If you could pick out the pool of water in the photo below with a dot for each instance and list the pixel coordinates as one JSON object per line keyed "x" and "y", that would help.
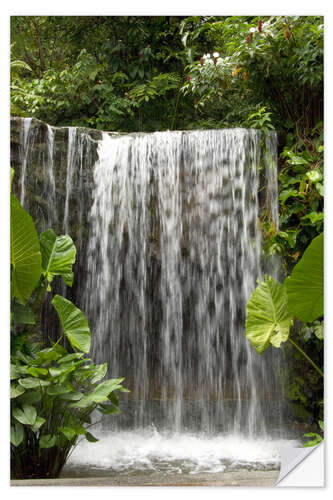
{"x": 150, "y": 452}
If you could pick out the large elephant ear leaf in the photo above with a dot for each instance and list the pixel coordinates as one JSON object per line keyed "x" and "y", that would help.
{"x": 74, "y": 323}
{"x": 25, "y": 256}
{"x": 267, "y": 321}
{"x": 58, "y": 256}
{"x": 305, "y": 286}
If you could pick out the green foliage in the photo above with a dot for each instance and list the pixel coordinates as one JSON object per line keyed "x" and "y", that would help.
{"x": 81, "y": 79}
{"x": 317, "y": 438}
{"x": 53, "y": 392}
{"x": 25, "y": 257}
{"x": 274, "y": 62}
{"x": 155, "y": 88}
{"x": 74, "y": 323}
{"x": 272, "y": 305}
{"x": 267, "y": 321}
{"x": 305, "y": 286}
{"x": 260, "y": 120}
{"x": 58, "y": 256}
{"x": 301, "y": 197}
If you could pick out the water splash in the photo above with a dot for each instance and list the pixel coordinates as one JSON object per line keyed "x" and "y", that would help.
{"x": 151, "y": 452}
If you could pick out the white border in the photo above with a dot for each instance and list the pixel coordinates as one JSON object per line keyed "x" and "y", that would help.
{"x": 135, "y": 7}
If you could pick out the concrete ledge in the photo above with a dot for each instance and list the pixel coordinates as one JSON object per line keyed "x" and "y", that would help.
{"x": 239, "y": 478}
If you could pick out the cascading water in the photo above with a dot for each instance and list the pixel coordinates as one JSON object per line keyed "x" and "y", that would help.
{"x": 174, "y": 254}
{"x": 169, "y": 249}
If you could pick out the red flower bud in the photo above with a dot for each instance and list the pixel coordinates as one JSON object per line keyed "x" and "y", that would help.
{"x": 140, "y": 55}
{"x": 188, "y": 78}
{"x": 196, "y": 102}
{"x": 201, "y": 61}
{"x": 260, "y": 25}
{"x": 214, "y": 61}
{"x": 249, "y": 38}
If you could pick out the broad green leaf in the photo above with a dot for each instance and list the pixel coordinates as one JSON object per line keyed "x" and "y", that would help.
{"x": 68, "y": 432}
{"x": 70, "y": 357}
{"x": 31, "y": 383}
{"x": 22, "y": 314}
{"x": 58, "y": 372}
{"x": 321, "y": 424}
{"x": 30, "y": 397}
{"x": 90, "y": 437}
{"x": 113, "y": 398}
{"x": 47, "y": 441}
{"x": 296, "y": 160}
{"x": 319, "y": 331}
{"x": 36, "y": 372}
{"x": 16, "y": 434}
{"x": 103, "y": 390}
{"x": 26, "y": 415}
{"x": 16, "y": 390}
{"x": 38, "y": 424}
{"x": 57, "y": 390}
{"x": 83, "y": 402}
{"x": 123, "y": 389}
{"x": 71, "y": 396}
{"x": 108, "y": 409}
{"x": 267, "y": 319}
{"x": 100, "y": 372}
{"x": 73, "y": 322}
{"x": 46, "y": 355}
{"x": 58, "y": 256}
{"x": 317, "y": 439}
{"x": 305, "y": 286}
{"x": 314, "y": 175}
{"x": 314, "y": 217}
{"x": 25, "y": 257}
{"x": 14, "y": 372}
{"x": 287, "y": 193}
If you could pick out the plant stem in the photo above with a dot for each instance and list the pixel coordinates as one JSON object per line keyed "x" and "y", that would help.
{"x": 307, "y": 357}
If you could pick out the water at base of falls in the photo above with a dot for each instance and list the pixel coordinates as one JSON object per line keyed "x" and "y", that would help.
{"x": 150, "y": 452}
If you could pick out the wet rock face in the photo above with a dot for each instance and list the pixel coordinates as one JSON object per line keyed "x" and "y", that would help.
{"x": 54, "y": 181}
{"x": 43, "y": 157}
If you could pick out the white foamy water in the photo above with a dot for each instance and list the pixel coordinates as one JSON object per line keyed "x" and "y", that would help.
{"x": 177, "y": 453}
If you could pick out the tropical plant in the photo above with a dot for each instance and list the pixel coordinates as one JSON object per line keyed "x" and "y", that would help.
{"x": 53, "y": 394}
{"x": 317, "y": 438}
{"x": 273, "y": 308}
{"x": 53, "y": 391}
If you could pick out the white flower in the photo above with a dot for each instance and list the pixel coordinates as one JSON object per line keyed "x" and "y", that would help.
{"x": 208, "y": 56}
{"x": 216, "y": 54}
{"x": 252, "y": 30}
{"x": 219, "y": 60}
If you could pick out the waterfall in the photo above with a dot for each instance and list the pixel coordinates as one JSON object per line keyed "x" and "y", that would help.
{"x": 169, "y": 250}
{"x": 173, "y": 256}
